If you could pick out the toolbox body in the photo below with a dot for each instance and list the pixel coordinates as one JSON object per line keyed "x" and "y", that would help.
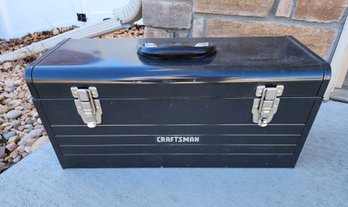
{"x": 249, "y": 103}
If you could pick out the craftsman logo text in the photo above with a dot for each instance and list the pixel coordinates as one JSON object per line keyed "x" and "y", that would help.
{"x": 177, "y": 139}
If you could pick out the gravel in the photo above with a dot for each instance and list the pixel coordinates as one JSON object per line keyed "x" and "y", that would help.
{"x": 16, "y": 43}
{"x": 21, "y": 130}
{"x": 8, "y": 135}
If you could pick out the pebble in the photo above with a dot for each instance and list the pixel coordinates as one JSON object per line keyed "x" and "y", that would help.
{"x": 28, "y": 126}
{"x": 2, "y": 165}
{"x": 17, "y": 82}
{"x": 15, "y": 103}
{"x": 31, "y": 142}
{"x": 9, "y": 83}
{"x": 55, "y": 31}
{"x": 2, "y": 151}
{"x": 17, "y": 67}
{"x": 12, "y": 146}
{"x": 3, "y": 109}
{"x": 13, "y": 139}
{"x": 41, "y": 141}
{"x": 14, "y": 154}
{"x": 29, "y": 121}
{"x": 9, "y": 95}
{"x": 27, "y": 149}
{"x": 17, "y": 159}
{"x": 7, "y": 65}
{"x": 19, "y": 108}
{"x": 24, "y": 140}
{"x": 28, "y": 106}
{"x": 36, "y": 133}
{"x": 7, "y": 159}
{"x": 13, "y": 114}
{"x": 8, "y": 135}
{"x": 21, "y": 148}
{"x": 16, "y": 124}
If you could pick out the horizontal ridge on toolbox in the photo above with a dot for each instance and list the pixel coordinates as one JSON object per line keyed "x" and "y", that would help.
{"x": 165, "y": 111}
{"x": 175, "y": 149}
{"x": 148, "y": 130}
{"x": 184, "y": 154}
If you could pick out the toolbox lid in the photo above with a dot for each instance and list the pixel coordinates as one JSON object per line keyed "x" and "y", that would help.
{"x": 254, "y": 60}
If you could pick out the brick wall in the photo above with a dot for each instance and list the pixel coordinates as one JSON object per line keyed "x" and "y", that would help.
{"x": 316, "y": 23}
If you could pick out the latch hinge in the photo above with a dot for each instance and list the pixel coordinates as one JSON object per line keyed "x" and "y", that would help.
{"x": 87, "y": 105}
{"x": 266, "y": 106}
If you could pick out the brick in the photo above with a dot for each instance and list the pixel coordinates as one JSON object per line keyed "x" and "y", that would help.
{"x": 198, "y": 28}
{"x": 320, "y": 10}
{"x": 257, "y": 8}
{"x": 165, "y": 14}
{"x": 151, "y": 32}
{"x": 284, "y": 8}
{"x": 320, "y": 40}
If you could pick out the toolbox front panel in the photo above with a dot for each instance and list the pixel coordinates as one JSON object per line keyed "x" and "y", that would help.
{"x": 131, "y": 131}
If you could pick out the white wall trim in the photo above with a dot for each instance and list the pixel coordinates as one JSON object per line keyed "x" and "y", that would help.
{"x": 339, "y": 63}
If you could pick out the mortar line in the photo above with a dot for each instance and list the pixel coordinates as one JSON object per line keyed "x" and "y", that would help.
{"x": 190, "y": 33}
{"x": 338, "y": 35}
{"x": 293, "y": 7}
{"x": 274, "y": 8}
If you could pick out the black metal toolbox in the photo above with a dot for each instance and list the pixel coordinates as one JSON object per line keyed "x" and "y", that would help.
{"x": 198, "y": 102}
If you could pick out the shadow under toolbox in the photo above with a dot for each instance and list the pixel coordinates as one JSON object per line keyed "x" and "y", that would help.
{"x": 195, "y": 102}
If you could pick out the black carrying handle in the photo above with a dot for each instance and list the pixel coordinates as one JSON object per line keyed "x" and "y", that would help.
{"x": 200, "y": 50}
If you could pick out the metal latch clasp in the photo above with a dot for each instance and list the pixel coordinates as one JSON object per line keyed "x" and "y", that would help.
{"x": 266, "y": 106}
{"x": 87, "y": 105}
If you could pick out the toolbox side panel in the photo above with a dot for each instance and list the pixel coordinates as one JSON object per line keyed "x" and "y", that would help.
{"x": 306, "y": 130}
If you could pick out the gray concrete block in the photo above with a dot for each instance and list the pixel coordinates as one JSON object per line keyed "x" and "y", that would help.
{"x": 165, "y": 14}
{"x": 340, "y": 94}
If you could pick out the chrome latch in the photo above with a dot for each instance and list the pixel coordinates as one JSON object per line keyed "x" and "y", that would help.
{"x": 266, "y": 106}
{"x": 87, "y": 105}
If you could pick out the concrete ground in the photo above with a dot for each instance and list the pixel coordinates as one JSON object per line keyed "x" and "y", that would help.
{"x": 319, "y": 179}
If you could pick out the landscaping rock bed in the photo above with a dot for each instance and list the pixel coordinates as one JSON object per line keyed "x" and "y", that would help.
{"x": 21, "y": 130}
